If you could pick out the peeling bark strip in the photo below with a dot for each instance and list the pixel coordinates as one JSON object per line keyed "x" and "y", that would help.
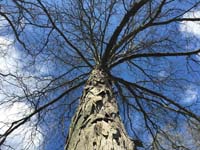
{"x": 96, "y": 124}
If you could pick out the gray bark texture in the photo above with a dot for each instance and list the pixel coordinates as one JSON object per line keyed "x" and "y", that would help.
{"x": 97, "y": 124}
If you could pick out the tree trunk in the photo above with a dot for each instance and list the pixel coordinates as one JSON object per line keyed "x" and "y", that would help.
{"x": 96, "y": 124}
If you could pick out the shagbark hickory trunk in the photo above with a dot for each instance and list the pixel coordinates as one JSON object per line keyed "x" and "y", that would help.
{"x": 97, "y": 124}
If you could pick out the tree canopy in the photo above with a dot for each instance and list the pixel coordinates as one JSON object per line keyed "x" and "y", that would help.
{"x": 149, "y": 48}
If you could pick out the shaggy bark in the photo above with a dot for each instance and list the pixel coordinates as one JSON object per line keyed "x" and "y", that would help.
{"x": 96, "y": 124}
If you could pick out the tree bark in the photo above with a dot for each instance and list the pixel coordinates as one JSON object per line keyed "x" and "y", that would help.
{"x": 97, "y": 124}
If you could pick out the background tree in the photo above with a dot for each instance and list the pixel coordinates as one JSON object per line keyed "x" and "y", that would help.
{"x": 151, "y": 58}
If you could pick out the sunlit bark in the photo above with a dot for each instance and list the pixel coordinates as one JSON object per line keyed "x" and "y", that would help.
{"x": 97, "y": 124}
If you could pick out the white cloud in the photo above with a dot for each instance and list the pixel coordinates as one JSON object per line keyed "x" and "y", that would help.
{"x": 190, "y": 95}
{"x": 27, "y": 136}
{"x": 8, "y": 56}
{"x": 163, "y": 74}
{"x": 191, "y": 27}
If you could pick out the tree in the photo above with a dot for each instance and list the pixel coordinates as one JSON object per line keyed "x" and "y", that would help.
{"x": 134, "y": 58}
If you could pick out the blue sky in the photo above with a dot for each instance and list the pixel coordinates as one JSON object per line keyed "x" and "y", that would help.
{"x": 14, "y": 61}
